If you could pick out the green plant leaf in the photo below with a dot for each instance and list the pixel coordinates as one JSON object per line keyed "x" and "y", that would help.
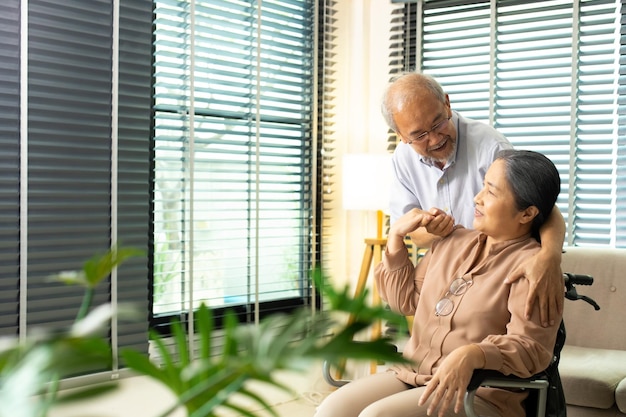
{"x": 70, "y": 278}
{"x": 180, "y": 338}
{"x": 23, "y": 380}
{"x": 206, "y": 408}
{"x": 100, "y": 266}
{"x": 203, "y": 384}
{"x": 170, "y": 369}
{"x": 205, "y": 328}
{"x": 230, "y": 340}
{"x": 74, "y": 355}
{"x": 142, "y": 364}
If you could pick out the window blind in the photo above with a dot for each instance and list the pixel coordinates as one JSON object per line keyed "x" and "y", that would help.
{"x": 595, "y": 128}
{"x": 134, "y": 166}
{"x": 403, "y": 45}
{"x": 84, "y": 173}
{"x": 456, "y": 50}
{"x": 233, "y": 177}
{"x": 69, "y": 152}
{"x": 403, "y": 49}
{"x": 544, "y": 74}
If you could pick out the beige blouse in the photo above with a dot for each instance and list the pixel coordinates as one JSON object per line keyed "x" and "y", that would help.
{"x": 489, "y": 314}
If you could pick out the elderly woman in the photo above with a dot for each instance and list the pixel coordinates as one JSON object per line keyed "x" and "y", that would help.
{"x": 465, "y": 317}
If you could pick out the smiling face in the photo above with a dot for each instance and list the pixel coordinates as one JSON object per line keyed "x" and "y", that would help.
{"x": 416, "y": 117}
{"x": 496, "y": 213}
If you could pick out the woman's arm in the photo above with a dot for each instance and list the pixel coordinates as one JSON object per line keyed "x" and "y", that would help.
{"x": 397, "y": 279}
{"x": 399, "y": 282}
{"x": 527, "y": 347}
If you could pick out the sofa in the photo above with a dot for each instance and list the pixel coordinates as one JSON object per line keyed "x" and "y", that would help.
{"x": 593, "y": 360}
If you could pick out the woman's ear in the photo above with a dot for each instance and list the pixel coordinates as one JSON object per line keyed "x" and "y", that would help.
{"x": 529, "y": 214}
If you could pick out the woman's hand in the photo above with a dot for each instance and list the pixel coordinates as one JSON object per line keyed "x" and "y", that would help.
{"x": 449, "y": 384}
{"x": 434, "y": 221}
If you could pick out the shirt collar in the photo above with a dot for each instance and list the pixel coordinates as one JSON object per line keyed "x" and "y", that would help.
{"x": 499, "y": 246}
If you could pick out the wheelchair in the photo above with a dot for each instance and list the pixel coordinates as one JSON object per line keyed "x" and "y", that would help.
{"x": 546, "y": 397}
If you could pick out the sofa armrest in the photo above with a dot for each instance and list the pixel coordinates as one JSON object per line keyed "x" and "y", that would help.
{"x": 620, "y": 395}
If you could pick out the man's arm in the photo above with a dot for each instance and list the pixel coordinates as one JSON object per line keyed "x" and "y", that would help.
{"x": 543, "y": 271}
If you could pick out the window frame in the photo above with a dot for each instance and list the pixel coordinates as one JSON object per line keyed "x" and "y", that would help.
{"x": 252, "y": 310}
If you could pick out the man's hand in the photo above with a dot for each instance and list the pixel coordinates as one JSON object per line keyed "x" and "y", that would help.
{"x": 410, "y": 221}
{"x": 449, "y": 383}
{"x": 437, "y": 224}
{"x": 441, "y": 224}
{"x": 543, "y": 272}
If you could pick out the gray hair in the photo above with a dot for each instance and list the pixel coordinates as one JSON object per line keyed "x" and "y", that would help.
{"x": 534, "y": 180}
{"x": 406, "y": 88}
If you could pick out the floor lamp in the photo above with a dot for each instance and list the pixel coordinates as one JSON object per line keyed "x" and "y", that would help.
{"x": 366, "y": 179}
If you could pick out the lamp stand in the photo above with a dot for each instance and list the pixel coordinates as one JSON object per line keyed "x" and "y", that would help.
{"x": 373, "y": 252}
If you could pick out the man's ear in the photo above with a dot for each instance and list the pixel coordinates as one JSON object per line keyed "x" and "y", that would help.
{"x": 402, "y": 139}
{"x": 529, "y": 214}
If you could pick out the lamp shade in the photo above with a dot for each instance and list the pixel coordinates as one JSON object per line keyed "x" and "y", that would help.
{"x": 366, "y": 181}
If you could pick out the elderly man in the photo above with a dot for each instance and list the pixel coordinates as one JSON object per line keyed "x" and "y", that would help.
{"x": 440, "y": 165}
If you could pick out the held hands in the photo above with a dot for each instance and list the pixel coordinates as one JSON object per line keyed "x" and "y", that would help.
{"x": 442, "y": 223}
{"x": 449, "y": 383}
{"x": 436, "y": 221}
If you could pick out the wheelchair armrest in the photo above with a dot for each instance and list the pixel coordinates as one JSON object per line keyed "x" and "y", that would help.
{"x": 389, "y": 348}
{"x": 481, "y": 376}
{"x": 328, "y": 377}
{"x": 495, "y": 379}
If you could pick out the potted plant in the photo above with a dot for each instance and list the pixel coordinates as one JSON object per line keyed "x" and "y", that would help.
{"x": 30, "y": 371}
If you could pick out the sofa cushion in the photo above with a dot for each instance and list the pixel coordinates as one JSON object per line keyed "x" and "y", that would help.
{"x": 590, "y": 376}
{"x": 603, "y": 329}
{"x": 620, "y": 396}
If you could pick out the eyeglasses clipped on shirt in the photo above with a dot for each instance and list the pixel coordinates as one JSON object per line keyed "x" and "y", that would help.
{"x": 457, "y": 287}
{"x": 435, "y": 129}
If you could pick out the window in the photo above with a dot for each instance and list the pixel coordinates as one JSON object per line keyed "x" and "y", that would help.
{"x": 234, "y": 161}
{"x": 544, "y": 73}
{"x": 75, "y": 160}
{"x": 79, "y": 156}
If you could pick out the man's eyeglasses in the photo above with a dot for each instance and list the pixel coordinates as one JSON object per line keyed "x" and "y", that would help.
{"x": 457, "y": 287}
{"x": 435, "y": 129}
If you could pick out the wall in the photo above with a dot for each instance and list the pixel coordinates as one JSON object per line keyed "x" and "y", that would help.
{"x": 362, "y": 74}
